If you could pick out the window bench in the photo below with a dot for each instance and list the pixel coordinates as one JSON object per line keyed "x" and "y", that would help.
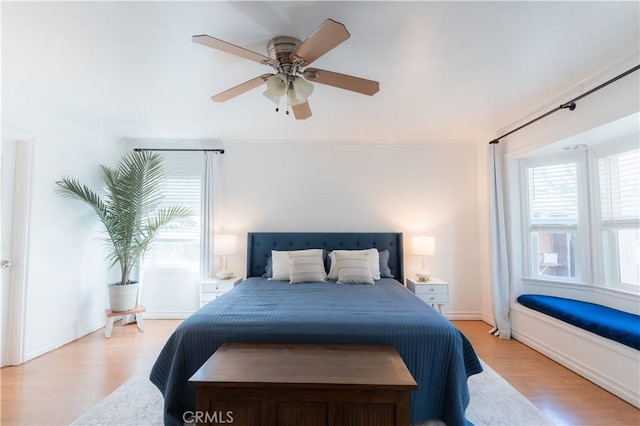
{"x": 607, "y": 322}
{"x": 601, "y": 344}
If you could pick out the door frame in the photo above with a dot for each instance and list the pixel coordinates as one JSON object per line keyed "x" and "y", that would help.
{"x": 14, "y": 343}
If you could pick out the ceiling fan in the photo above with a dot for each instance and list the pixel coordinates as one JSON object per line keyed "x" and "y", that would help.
{"x": 289, "y": 57}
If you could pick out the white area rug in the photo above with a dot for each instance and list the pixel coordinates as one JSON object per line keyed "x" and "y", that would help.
{"x": 493, "y": 402}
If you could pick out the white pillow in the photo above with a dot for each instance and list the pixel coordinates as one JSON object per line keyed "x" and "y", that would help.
{"x": 280, "y": 262}
{"x": 372, "y": 255}
{"x": 354, "y": 269}
{"x": 306, "y": 269}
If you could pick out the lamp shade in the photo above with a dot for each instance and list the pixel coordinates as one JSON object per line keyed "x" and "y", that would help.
{"x": 294, "y": 99}
{"x": 273, "y": 98}
{"x": 277, "y": 85}
{"x": 303, "y": 88}
{"x": 224, "y": 244}
{"x": 423, "y": 246}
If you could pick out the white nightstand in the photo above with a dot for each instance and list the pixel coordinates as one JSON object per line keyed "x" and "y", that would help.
{"x": 212, "y": 288}
{"x": 435, "y": 291}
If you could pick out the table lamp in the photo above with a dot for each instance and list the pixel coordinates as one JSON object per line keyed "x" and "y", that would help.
{"x": 423, "y": 246}
{"x": 224, "y": 245}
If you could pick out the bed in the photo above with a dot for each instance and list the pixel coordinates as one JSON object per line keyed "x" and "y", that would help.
{"x": 260, "y": 310}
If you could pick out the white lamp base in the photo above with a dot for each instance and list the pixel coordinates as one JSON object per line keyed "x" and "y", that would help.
{"x": 423, "y": 275}
{"x": 224, "y": 272}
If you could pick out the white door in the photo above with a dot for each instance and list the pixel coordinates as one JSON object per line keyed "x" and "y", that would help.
{"x": 8, "y": 155}
{"x": 13, "y": 197}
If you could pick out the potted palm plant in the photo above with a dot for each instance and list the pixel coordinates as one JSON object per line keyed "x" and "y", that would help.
{"x": 130, "y": 211}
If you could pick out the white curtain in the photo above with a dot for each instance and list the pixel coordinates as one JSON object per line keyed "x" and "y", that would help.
{"x": 209, "y": 211}
{"x": 499, "y": 250}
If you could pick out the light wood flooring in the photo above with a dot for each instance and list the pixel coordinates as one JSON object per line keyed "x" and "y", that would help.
{"x": 565, "y": 397}
{"x": 58, "y": 387}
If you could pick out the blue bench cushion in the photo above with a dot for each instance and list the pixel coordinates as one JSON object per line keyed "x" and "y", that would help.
{"x": 613, "y": 324}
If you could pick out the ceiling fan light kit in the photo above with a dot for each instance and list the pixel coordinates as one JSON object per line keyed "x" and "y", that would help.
{"x": 289, "y": 56}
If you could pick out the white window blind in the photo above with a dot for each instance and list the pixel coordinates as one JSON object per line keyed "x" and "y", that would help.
{"x": 179, "y": 247}
{"x": 620, "y": 186}
{"x": 182, "y": 188}
{"x": 553, "y": 194}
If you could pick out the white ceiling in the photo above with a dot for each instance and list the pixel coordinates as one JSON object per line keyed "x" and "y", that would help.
{"x": 448, "y": 71}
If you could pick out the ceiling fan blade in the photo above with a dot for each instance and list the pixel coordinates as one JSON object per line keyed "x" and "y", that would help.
{"x": 301, "y": 111}
{"x": 343, "y": 81}
{"x": 224, "y": 46}
{"x": 240, "y": 88}
{"x": 323, "y": 39}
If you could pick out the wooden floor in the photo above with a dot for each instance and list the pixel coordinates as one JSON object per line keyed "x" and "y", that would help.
{"x": 58, "y": 387}
{"x": 565, "y": 397}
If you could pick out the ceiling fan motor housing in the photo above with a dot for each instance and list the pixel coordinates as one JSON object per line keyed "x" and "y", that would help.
{"x": 280, "y": 49}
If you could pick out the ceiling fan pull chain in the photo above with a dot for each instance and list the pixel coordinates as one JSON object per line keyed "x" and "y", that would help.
{"x": 287, "y": 96}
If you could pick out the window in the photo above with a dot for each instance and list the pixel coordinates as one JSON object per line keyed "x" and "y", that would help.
{"x": 619, "y": 215}
{"x": 581, "y": 216}
{"x": 553, "y": 218}
{"x": 179, "y": 247}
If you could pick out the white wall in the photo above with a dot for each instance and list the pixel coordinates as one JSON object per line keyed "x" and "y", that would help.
{"x": 317, "y": 186}
{"x": 341, "y": 187}
{"x": 66, "y": 280}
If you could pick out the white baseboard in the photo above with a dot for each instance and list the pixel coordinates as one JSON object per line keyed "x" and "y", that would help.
{"x": 609, "y": 364}
{"x": 48, "y": 347}
{"x": 463, "y": 316}
{"x": 488, "y": 318}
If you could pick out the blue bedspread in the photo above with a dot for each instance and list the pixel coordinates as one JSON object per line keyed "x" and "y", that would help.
{"x": 261, "y": 311}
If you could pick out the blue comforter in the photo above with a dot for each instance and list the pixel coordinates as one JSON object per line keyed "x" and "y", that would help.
{"x": 260, "y": 311}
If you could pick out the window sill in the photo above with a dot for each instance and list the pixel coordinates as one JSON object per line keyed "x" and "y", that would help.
{"x": 582, "y": 286}
{"x": 556, "y": 283}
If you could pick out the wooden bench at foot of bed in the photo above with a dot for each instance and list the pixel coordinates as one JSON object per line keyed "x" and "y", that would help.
{"x": 303, "y": 384}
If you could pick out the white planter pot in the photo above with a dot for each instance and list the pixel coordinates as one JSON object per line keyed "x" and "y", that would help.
{"x": 123, "y": 297}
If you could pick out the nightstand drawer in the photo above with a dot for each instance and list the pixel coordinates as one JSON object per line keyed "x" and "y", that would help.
{"x": 435, "y": 291}
{"x": 217, "y": 286}
{"x": 432, "y": 288}
{"x": 434, "y": 298}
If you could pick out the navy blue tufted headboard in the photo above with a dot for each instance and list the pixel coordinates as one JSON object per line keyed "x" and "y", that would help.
{"x": 260, "y": 244}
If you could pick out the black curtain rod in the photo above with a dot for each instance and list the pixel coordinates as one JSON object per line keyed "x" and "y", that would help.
{"x": 220, "y": 150}
{"x": 570, "y": 105}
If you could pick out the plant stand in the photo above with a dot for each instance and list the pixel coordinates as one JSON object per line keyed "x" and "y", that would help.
{"x": 112, "y": 316}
